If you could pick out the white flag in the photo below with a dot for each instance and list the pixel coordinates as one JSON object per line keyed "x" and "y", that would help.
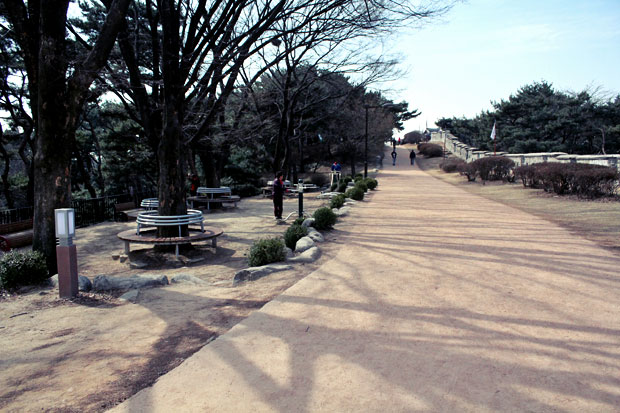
{"x": 493, "y": 132}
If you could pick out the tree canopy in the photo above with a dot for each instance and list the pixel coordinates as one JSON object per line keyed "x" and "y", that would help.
{"x": 539, "y": 118}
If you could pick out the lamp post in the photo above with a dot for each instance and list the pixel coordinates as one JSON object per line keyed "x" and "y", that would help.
{"x": 366, "y": 144}
{"x": 66, "y": 252}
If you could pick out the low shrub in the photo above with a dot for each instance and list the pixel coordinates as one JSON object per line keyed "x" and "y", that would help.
{"x": 266, "y": 251}
{"x": 347, "y": 179}
{"x": 361, "y": 185}
{"x": 337, "y": 201}
{"x": 293, "y": 234}
{"x": 333, "y": 187}
{"x": 324, "y": 218}
{"x": 494, "y": 168}
{"x": 469, "y": 171}
{"x": 430, "y": 150}
{"x": 583, "y": 180}
{"x": 17, "y": 268}
{"x": 371, "y": 183}
{"x": 358, "y": 177}
{"x": 299, "y": 220}
{"x": 355, "y": 193}
{"x": 452, "y": 165}
{"x": 342, "y": 186}
{"x": 526, "y": 173}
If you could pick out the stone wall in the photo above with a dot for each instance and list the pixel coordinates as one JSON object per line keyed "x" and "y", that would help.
{"x": 470, "y": 154}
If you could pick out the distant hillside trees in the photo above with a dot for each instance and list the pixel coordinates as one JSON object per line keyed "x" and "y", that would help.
{"x": 539, "y": 118}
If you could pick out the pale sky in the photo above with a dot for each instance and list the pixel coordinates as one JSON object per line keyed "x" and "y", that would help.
{"x": 485, "y": 50}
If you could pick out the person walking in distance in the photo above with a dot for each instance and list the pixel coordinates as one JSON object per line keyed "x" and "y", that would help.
{"x": 394, "y": 157}
{"x": 278, "y": 195}
{"x": 412, "y": 157}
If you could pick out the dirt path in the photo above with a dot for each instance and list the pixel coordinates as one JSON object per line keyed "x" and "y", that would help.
{"x": 437, "y": 300}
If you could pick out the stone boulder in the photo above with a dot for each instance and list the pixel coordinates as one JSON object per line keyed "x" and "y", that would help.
{"x": 308, "y": 222}
{"x": 84, "y": 283}
{"x": 304, "y": 244}
{"x": 130, "y": 296}
{"x": 315, "y": 235}
{"x": 254, "y": 273}
{"x": 105, "y": 283}
{"x": 342, "y": 211}
{"x": 187, "y": 279}
{"x": 310, "y": 255}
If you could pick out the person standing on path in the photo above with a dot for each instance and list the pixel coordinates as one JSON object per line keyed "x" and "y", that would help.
{"x": 394, "y": 157}
{"x": 278, "y": 195}
{"x": 412, "y": 157}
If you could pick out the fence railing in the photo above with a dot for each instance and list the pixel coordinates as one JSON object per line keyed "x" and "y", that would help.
{"x": 87, "y": 211}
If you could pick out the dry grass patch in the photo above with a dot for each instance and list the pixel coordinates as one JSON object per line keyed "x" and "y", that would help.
{"x": 596, "y": 220}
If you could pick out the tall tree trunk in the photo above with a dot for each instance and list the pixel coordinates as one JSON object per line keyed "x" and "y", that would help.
{"x": 6, "y": 187}
{"x": 171, "y": 151}
{"x": 52, "y": 176}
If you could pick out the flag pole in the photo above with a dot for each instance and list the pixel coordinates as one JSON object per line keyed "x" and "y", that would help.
{"x": 493, "y": 133}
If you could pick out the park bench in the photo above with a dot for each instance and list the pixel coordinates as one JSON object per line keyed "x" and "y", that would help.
{"x": 123, "y": 211}
{"x": 222, "y": 195}
{"x": 16, "y": 234}
{"x": 149, "y": 236}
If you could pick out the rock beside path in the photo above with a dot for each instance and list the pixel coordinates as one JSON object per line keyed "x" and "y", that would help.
{"x": 105, "y": 283}
{"x": 307, "y": 256}
{"x": 315, "y": 235}
{"x": 304, "y": 244}
{"x": 254, "y": 273}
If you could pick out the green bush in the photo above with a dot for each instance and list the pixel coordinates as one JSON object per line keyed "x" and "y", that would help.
{"x": 293, "y": 234}
{"x": 361, "y": 185}
{"x": 342, "y": 186}
{"x": 18, "y": 268}
{"x": 334, "y": 187}
{"x": 266, "y": 251}
{"x": 299, "y": 221}
{"x": 355, "y": 193}
{"x": 371, "y": 183}
{"x": 337, "y": 201}
{"x": 324, "y": 218}
{"x": 347, "y": 179}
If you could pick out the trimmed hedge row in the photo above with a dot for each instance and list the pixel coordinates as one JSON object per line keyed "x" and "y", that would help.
{"x": 584, "y": 180}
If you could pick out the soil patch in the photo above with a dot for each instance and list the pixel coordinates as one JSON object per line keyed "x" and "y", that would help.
{"x": 94, "y": 351}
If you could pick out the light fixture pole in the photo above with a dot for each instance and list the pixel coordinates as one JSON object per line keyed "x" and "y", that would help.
{"x": 366, "y": 144}
{"x": 66, "y": 253}
{"x": 366, "y": 107}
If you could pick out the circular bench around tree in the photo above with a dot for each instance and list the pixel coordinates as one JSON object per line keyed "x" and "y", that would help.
{"x": 150, "y": 236}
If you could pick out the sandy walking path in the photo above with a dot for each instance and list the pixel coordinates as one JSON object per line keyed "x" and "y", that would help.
{"x": 439, "y": 300}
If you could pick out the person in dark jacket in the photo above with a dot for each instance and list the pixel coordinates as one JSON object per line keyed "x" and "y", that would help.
{"x": 412, "y": 157}
{"x": 278, "y": 195}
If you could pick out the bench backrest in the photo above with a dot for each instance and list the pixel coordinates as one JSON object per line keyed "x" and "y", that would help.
{"x": 16, "y": 226}
{"x": 221, "y": 190}
{"x": 124, "y": 206}
{"x": 152, "y": 219}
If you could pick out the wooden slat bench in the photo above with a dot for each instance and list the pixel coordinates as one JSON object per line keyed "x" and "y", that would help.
{"x": 122, "y": 211}
{"x": 16, "y": 234}
{"x": 228, "y": 199}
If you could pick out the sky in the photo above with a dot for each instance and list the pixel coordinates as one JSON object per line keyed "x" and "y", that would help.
{"x": 486, "y": 50}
